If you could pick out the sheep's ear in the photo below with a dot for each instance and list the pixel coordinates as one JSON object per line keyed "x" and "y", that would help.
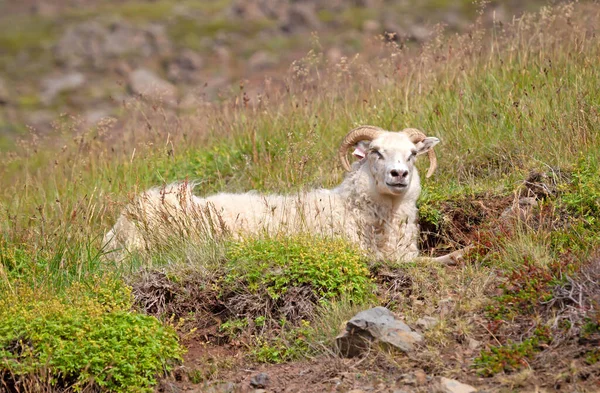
{"x": 360, "y": 150}
{"x": 426, "y": 144}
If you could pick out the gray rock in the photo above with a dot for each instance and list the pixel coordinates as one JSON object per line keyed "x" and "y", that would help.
{"x": 473, "y": 344}
{"x": 185, "y": 67}
{"x": 427, "y": 323}
{"x": 53, "y": 86}
{"x": 4, "y": 94}
{"x": 418, "y": 32}
{"x": 447, "y": 385}
{"x": 260, "y": 381}
{"x": 94, "y": 43}
{"x": 220, "y": 387}
{"x": 520, "y": 210}
{"x": 261, "y": 60}
{"x": 371, "y": 26}
{"x": 146, "y": 83}
{"x": 301, "y": 15}
{"x": 40, "y": 120}
{"x": 376, "y": 324}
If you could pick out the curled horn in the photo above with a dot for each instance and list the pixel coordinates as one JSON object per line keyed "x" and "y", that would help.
{"x": 417, "y": 136}
{"x": 358, "y": 134}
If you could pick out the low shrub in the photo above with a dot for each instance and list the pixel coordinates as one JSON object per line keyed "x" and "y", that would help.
{"x": 331, "y": 267}
{"x": 85, "y": 337}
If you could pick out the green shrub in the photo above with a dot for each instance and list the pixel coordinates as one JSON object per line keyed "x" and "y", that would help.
{"x": 331, "y": 267}
{"x": 84, "y": 341}
{"x": 512, "y": 356}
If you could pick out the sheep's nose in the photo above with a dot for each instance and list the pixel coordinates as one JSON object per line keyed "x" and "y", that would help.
{"x": 396, "y": 173}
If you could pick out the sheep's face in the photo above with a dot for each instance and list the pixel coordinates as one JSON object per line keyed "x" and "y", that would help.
{"x": 391, "y": 160}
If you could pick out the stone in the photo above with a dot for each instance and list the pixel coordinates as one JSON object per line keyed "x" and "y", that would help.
{"x": 301, "y": 15}
{"x": 261, "y": 61}
{"x": 375, "y": 325}
{"x": 4, "y": 94}
{"x": 97, "y": 44}
{"x": 185, "y": 67}
{"x": 447, "y": 385}
{"x": 418, "y": 32}
{"x": 260, "y": 381}
{"x": 520, "y": 210}
{"x": 150, "y": 86}
{"x": 427, "y": 323}
{"x": 220, "y": 387}
{"x": 53, "y": 86}
{"x": 473, "y": 344}
{"x": 371, "y": 26}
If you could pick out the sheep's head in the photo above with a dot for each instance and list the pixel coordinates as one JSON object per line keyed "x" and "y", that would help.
{"x": 390, "y": 156}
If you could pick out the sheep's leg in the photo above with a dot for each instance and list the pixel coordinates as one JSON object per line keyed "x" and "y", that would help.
{"x": 453, "y": 258}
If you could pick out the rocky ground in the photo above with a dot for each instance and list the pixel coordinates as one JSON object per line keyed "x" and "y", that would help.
{"x": 87, "y": 58}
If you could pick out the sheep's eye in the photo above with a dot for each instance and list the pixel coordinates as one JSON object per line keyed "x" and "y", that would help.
{"x": 413, "y": 154}
{"x": 378, "y": 154}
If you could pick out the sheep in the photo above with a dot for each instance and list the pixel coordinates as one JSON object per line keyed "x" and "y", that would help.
{"x": 374, "y": 207}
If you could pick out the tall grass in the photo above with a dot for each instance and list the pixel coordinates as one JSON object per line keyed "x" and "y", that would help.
{"x": 522, "y": 96}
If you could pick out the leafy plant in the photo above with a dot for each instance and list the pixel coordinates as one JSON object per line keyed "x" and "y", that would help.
{"x": 331, "y": 267}
{"x": 79, "y": 340}
{"x": 513, "y": 356}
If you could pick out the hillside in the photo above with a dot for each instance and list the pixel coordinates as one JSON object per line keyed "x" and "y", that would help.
{"x": 516, "y": 105}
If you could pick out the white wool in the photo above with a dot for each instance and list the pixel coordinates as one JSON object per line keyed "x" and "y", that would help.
{"x": 359, "y": 209}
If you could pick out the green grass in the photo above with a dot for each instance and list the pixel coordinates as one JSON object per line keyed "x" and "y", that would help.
{"x": 504, "y": 104}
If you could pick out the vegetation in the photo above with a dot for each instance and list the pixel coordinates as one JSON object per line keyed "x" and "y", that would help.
{"x": 518, "y": 101}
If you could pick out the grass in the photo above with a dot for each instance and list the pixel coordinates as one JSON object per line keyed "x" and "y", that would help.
{"x": 522, "y": 99}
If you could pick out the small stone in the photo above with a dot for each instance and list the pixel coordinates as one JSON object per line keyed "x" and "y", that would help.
{"x": 371, "y": 26}
{"x": 420, "y": 377}
{"x": 447, "y": 385}
{"x": 259, "y": 380}
{"x": 149, "y": 85}
{"x": 53, "y": 86}
{"x": 473, "y": 344}
{"x": 261, "y": 60}
{"x": 427, "y": 323}
{"x": 220, "y": 387}
{"x": 4, "y": 95}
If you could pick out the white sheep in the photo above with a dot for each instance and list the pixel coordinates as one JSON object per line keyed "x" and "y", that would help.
{"x": 374, "y": 207}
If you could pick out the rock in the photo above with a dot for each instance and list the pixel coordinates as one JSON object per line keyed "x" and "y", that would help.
{"x": 168, "y": 387}
{"x": 146, "y": 83}
{"x": 419, "y": 33}
{"x": 40, "y": 120}
{"x": 260, "y": 381}
{"x": 186, "y": 67}
{"x": 371, "y": 26}
{"x": 261, "y": 61}
{"x": 334, "y": 55}
{"x": 4, "y": 94}
{"x": 53, "y": 86}
{"x": 447, "y": 385}
{"x": 520, "y": 210}
{"x": 416, "y": 378}
{"x": 473, "y": 344}
{"x": 301, "y": 15}
{"x": 427, "y": 323}
{"x": 219, "y": 387}
{"x": 375, "y": 324}
{"x": 445, "y": 307}
{"x": 94, "y": 43}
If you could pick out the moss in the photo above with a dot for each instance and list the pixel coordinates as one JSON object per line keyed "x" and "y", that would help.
{"x": 331, "y": 267}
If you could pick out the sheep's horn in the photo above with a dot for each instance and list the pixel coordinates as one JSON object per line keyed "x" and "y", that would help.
{"x": 417, "y": 136}
{"x": 362, "y": 133}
